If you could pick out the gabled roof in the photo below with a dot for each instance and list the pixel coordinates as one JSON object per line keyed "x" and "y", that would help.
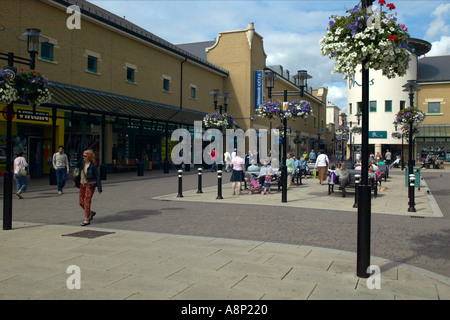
{"x": 433, "y": 69}
{"x": 197, "y": 48}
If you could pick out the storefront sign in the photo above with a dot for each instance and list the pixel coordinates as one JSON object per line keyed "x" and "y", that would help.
{"x": 258, "y": 88}
{"x": 30, "y": 115}
{"x": 377, "y": 134}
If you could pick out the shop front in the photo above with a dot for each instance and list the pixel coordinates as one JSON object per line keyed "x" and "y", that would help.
{"x": 31, "y": 134}
{"x": 433, "y": 140}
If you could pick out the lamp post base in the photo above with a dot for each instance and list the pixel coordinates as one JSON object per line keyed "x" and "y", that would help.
{"x": 7, "y": 200}
{"x": 364, "y": 221}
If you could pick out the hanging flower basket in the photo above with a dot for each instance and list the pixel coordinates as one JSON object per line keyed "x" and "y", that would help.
{"x": 298, "y": 109}
{"x": 8, "y": 93}
{"x": 342, "y": 133}
{"x": 224, "y": 121}
{"x": 410, "y": 115}
{"x": 295, "y": 109}
{"x": 269, "y": 110}
{"x": 356, "y": 130}
{"x": 33, "y": 87}
{"x": 396, "y": 135}
{"x": 280, "y": 128}
{"x": 362, "y": 34}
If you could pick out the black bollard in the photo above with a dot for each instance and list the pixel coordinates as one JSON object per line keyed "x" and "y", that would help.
{"x": 412, "y": 180}
{"x": 200, "y": 180}
{"x": 357, "y": 176}
{"x": 180, "y": 184}
{"x": 219, "y": 184}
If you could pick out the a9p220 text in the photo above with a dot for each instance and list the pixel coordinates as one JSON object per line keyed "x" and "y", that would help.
{"x": 230, "y": 309}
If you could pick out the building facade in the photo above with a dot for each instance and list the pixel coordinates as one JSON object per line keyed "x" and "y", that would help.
{"x": 121, "y": 90}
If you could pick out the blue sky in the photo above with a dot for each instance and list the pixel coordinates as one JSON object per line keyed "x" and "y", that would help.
{"x": 291, "y": 30}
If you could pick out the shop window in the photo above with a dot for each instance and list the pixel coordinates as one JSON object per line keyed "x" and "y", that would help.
{"x": 388, "y": 106}
{"x": 434, "y": 107}
{"x": 130, "y": 74}
{"x": 47, "y": 51}
{"x": 373, "y": 106}
{"x": 92, "y": 64}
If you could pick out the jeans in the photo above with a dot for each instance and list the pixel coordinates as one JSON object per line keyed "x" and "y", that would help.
{"x": 21, "y": 181}
{"x": 61, "y": 178}
{"x": 213, "y": 167}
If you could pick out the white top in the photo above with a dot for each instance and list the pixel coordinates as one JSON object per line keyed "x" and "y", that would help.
{"x": 19, "y": 163}
{"x": 322, "y": 160}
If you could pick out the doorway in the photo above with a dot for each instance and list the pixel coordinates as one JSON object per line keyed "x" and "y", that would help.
{"x": 36, "y": 157}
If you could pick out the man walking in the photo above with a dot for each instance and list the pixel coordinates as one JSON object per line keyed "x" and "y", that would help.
{"x": 388, "y": 157}
{"x": 61, "y": 166}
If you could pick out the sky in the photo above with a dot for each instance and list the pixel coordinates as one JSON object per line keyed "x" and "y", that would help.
{"x": 291, "y": 30}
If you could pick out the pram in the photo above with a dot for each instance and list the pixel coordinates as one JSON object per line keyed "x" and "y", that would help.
{"x": 255, "y": 186}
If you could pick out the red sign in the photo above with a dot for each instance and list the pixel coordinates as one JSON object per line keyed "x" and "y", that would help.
{"x": 5, "y": 113}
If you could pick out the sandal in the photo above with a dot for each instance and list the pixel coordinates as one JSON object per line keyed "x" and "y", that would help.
{"x": 85, "y": 223}
{"x": 93, "y": 213}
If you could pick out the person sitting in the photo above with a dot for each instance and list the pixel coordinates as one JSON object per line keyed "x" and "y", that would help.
{"x": 395, "y": 164}
{"x": 302, "y": 166}
{"x": 343, "y": 176}
{"x": 262, "y": 172}
{"x": 372, "y": 175}
{"x": 253, "y": 168}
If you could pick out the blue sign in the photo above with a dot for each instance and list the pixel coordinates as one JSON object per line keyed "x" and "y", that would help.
{"x": 258, "y": 88}
{"x": 377, "y": 134}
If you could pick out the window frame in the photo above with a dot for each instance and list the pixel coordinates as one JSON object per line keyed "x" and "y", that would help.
{"x": 51, "y": 47}
{"x": 390, "y": 105}
{"x": 131, "y": 80}
{"x": 95, "y": 59}
{"x": 439, "y": 107}
{"x": 370, "y": 106}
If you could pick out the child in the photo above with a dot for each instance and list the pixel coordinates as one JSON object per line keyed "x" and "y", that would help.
{"x": 266, "y": 185}
{"x": 332, "y": 179}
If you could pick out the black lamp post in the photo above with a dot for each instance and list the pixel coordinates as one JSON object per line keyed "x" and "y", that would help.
{"x": 411, "y": 86}
{"x": 270, "y": 82}
{"x": 358, "y": 118}
{"x": 344, "y": 123}
{"x": 33, "y": 38}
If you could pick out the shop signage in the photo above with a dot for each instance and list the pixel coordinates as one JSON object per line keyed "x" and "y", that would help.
{"x": 258, "y": 88}
{"x": 377, "y": 134}
{"x": 30, "y": 115}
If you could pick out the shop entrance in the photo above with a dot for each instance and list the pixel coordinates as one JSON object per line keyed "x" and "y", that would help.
{"x": 36, "y": 156}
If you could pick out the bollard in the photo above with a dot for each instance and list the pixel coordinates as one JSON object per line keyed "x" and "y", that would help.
{"x": 219, "y": 184}
{"x": 412, "y": 183}
{"x": 357, "y": 176}
{"x": 199, "y": 190}
{"x": 180, "y": 184}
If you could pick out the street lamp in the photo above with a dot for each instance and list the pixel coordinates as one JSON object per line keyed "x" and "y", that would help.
{"x": 411, "y": 86}
{"x": 33, "y": 38}
{"x": 344, "y": 123}
{"x": 270, "y": 83}
{"x": 301, "y": 80}
{"x": 403, "y": 163}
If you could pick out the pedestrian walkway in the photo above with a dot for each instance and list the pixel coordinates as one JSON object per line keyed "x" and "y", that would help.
{"x": 38, "y": 262}
{"x": 38, "y": 259}
{"x": 392, "y": 197}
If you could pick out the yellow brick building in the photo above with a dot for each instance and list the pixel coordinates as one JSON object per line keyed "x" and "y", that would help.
{"x": 121, "y": 90}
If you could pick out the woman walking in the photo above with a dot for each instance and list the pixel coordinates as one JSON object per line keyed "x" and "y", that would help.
{"x": 322, "y": 163}
{"x": 21, "y": 179}
{"x": 89, "y": 179}
{"x": 238, "y": 171}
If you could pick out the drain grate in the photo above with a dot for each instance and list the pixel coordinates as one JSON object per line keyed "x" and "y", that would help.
{"x": 90, "y": 234}
{"x": 417, "y": 217}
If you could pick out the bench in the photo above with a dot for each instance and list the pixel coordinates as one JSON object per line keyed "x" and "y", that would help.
{"x": 276, "y": 181}
{"x": 124, "y": 164}
{"x": 352, "y": 183}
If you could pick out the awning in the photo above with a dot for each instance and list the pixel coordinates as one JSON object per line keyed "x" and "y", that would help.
{"x": 83, "y": 99}
{"x": 433, "y": 130}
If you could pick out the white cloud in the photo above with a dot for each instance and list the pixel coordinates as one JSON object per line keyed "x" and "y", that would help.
{"x": 337, "y": 94}
{"x": 439, "y": 26}
{"x": 440, "y": 48}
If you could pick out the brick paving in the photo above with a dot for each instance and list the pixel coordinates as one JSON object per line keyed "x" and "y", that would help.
{"x": 127, "y": 204}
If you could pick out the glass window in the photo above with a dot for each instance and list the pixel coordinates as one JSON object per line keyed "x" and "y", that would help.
{"x": 166, "y": 84}
{"x": 47, "y": 51}
{"x": 402, "y": 105}
{"x": 193, "y": 93}
{"x": 350, "y": 108}
{"x": 92, "y": 64}
{"x": 130, "y": 74}
{"x": 359, "y": 107}
{"x": 388, "y": 106}
{"x": 434, "y": 107}
{"x": 373, "y": 106}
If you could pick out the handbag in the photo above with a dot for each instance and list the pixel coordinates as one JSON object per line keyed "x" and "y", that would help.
{"x": 77, "y": 178}
{"x": 23, "y": 172}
